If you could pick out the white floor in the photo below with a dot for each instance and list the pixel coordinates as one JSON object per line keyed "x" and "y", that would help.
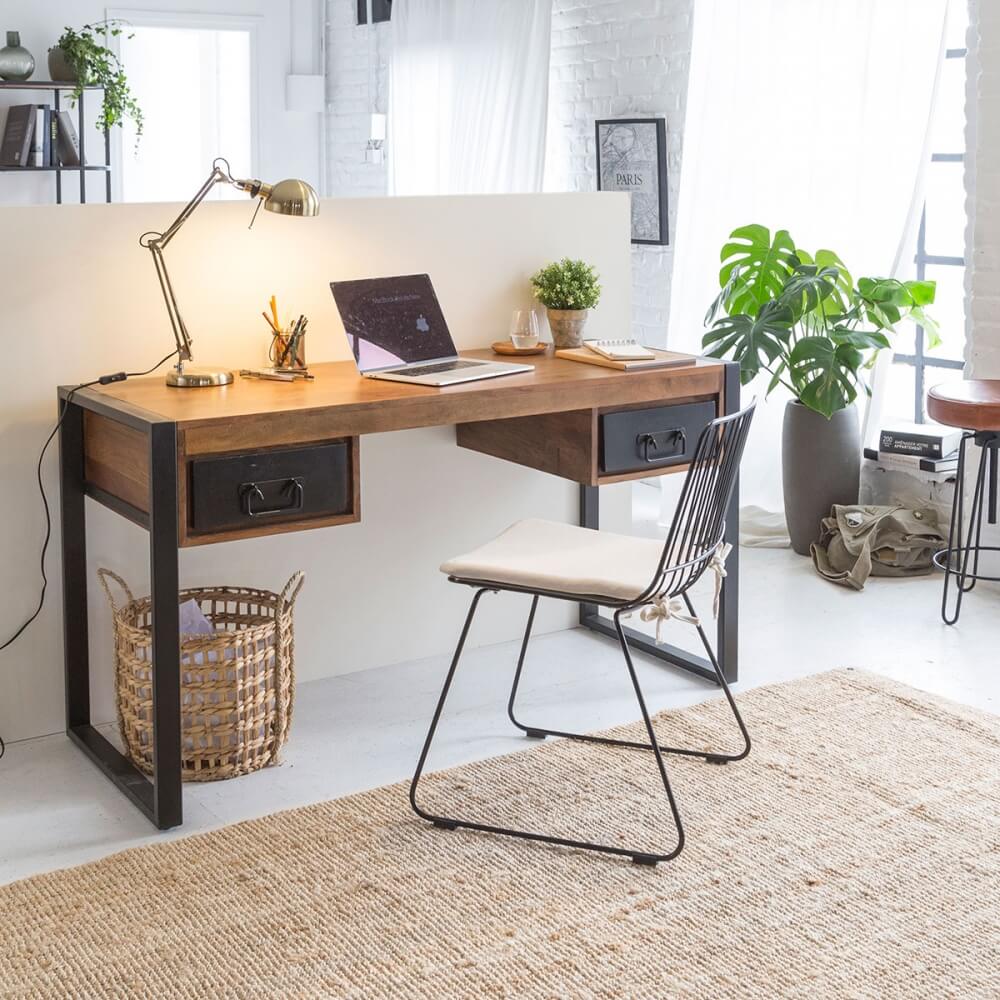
{"x": 362, "y": 730}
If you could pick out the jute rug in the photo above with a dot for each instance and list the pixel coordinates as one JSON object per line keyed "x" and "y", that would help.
{"x": 855, "y": 854}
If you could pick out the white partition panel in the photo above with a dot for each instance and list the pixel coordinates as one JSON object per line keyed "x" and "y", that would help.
{"x": 80, "y": 298}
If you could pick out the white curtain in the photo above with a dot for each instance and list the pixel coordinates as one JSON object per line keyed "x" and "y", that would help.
{"x": 468, "y": 96}
{"x": 808, "y": 116}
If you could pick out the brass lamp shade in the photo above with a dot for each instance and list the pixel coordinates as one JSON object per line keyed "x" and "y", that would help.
{"x": 292, "y": 197}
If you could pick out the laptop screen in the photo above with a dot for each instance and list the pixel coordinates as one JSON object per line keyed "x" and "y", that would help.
{"x": 392, "y": 321}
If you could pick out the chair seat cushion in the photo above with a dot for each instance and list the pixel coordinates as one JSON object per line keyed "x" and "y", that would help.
{"x": 548, "y": 555}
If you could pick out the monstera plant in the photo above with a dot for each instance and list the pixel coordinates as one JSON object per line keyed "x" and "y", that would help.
{"x": 803, "y": 319}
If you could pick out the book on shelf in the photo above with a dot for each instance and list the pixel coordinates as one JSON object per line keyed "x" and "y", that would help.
{"x": 52, "y": 128}
{"x": 923, "y": 440}
{"x": 68, "y": 142}
{"x": 41, "y": 144}
{"x": 660, "y": 359}
{"x": 15, "y": 148}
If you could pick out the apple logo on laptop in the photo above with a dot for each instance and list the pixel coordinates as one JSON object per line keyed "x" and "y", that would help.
{"x": 422, "y": 325}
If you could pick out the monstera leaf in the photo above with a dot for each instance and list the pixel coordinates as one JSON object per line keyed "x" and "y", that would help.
{"x": 755, "y": 267}
{"x": 813, "y": 289}
{"x": 754, "y": 341}
{"x": 825, "y": 373}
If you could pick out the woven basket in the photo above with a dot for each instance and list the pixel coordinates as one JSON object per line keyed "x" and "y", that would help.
{"x": 236, "y": 685}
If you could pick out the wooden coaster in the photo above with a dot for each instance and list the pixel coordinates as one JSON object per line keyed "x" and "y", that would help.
{"x": 506, "y": 347}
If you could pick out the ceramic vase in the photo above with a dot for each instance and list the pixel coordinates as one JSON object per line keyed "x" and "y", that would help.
{"x": 567, "y": 326}
{"x": 60, "y": 68}
{"x": 16, "y": 62}
{"x": 820, "y": 467}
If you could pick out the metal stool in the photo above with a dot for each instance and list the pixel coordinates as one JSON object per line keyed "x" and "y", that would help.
{"x": 973, "y": 404}
{"x": 623, "y": 574}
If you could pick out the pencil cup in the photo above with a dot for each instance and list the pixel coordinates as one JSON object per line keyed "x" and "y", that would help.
{"x": 287, "y": 351}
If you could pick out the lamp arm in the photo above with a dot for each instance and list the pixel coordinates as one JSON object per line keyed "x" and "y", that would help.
{"x": 155, "y": 243}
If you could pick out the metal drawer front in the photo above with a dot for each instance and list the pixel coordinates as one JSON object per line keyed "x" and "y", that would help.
{"x": 652, "y": 438}
{"x": 274, "y": 486}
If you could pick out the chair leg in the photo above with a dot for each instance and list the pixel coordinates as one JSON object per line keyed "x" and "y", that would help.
{"x": 956, "y": 556}
{"x": 537, "y": 732}
{"x": 449, "y": 823}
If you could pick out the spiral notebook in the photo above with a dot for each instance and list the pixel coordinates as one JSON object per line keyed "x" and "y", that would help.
{"x": 660, "y": 359}
{"x": 620, "y": 350}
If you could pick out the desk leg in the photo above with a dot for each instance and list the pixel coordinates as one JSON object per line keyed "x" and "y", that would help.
{"x": 167, "y": 810}
{"x": 159, "y": 800}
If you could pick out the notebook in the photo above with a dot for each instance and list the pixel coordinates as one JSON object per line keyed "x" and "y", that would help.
{"x": 660, "y": 359}
{"x": 620, "y": 350}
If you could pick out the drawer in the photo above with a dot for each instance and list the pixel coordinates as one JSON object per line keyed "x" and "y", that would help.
{"x": 270, "y": 487}
{"x": 651, "y": 438}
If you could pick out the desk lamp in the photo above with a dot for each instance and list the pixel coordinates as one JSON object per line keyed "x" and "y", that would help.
{"x": 288, "y": 197}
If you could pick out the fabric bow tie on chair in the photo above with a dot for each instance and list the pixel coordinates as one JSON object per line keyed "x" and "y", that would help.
{"x": 663, "y": 608}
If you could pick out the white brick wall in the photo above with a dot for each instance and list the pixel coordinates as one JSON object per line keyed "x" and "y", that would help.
{"x": 610, "y": 58}
{"x": 983, "y": 189}
{"x": 982, "y": 176}
{"x": 356, "y": 83}
{"x": 623, "y": 59}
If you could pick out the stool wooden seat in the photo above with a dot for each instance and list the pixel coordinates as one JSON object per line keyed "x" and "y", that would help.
{"x": 973, "y": 405}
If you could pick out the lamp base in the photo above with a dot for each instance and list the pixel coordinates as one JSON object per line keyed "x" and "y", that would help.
{"x": 197, "y": 378}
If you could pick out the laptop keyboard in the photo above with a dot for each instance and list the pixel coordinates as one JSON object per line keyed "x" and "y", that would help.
{"x": 443, "y": 366}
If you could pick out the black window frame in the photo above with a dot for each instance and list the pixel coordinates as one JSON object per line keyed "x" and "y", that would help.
{"x": 920, "y": 361}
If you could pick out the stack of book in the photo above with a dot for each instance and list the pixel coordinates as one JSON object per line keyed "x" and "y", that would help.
{"x": 927, "y": 450}
{"x": 35, "y": 135}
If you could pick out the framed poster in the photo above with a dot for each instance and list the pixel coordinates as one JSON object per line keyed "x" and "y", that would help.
{"x": 632, "y": 157}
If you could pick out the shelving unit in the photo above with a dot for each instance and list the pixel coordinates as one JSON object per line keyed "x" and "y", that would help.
{"x": 58, "y": 88}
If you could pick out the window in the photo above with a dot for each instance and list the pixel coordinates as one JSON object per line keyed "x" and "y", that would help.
{"x": 940, "y": 254}
{"x": 193, "y": 80}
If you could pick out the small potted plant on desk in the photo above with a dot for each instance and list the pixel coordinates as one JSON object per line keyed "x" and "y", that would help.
{"x": 803, "y": 319}
{"x": 83, "y": 57}
{"x": 567, "y": 289}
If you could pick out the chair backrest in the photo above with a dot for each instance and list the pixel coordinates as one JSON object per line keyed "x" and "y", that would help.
{"x": 699, "y": 522}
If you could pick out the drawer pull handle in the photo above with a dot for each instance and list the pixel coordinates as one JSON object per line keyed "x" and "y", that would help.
{"x": 252, "y": 491}
{"x": 654, "y": 447}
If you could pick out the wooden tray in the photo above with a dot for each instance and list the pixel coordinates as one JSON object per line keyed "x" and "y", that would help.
{"x": 506, "y": 347}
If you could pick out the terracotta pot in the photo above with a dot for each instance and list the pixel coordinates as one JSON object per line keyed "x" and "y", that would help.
{"x": 820, "y": 467}
{"x": 60, "y": 68}
{"x": 567, "y": 326}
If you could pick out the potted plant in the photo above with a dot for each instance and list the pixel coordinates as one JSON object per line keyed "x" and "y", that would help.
{"x": 83, "y": 57}
{"x": 567, "y": 289}
{"x": 804, "y": 320}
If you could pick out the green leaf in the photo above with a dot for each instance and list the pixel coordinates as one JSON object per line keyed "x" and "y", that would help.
{"x": 932, "y": 331}
{"x": 922, "y": 293}
{"x": 825, "y": 374}
{"x": 827, "y": 258}
{"x": 809, "y": 288}
{"x": 754, "y": 341}
{"x": 761, "y": 266}
{"x": 863, "y": 340}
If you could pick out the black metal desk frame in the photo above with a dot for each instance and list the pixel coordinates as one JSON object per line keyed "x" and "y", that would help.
{"x": 160, "y": 798}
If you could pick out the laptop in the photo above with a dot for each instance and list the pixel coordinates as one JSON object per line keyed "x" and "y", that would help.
{"x": 397, "y": 332}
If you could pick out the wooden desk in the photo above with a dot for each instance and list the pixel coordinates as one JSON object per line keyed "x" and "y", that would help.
{"x": 209, "y": 465}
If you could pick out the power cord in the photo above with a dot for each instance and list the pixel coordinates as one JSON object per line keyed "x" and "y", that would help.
{"x": 103, "y": 380}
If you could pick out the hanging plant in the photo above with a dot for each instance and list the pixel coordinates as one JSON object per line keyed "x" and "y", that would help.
{"x": 84, "y": 58}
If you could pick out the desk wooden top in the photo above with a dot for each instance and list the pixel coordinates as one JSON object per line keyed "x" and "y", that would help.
{"x": 340, "y": 402}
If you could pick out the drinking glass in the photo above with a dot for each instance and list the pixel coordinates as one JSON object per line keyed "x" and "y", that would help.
{"x": 524, "y": 328}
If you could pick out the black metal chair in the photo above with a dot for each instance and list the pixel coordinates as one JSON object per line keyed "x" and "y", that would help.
{"x": 623, "y": 574}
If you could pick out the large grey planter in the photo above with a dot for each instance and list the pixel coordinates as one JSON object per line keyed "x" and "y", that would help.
{"x": 820, "y": 467}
